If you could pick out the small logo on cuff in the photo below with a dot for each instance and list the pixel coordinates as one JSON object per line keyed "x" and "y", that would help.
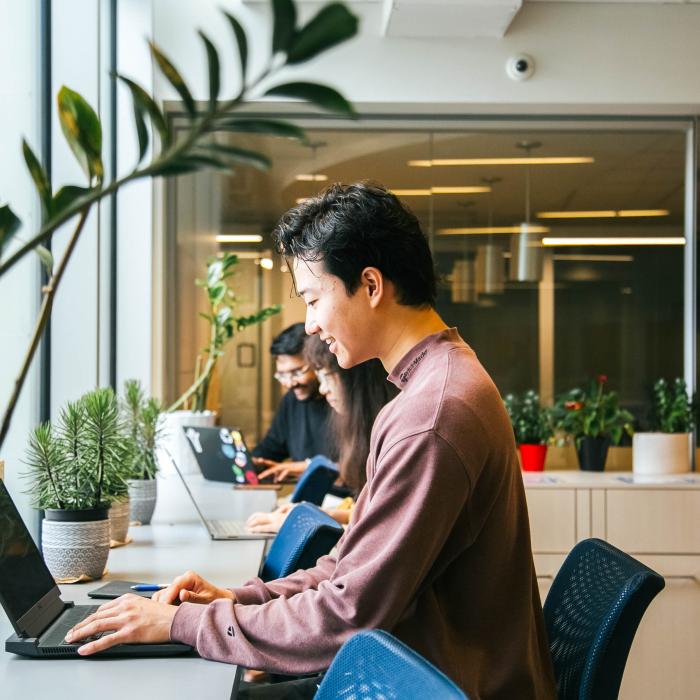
{"x": 230, "y": 631}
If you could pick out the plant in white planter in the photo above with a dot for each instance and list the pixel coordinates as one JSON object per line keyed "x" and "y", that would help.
{"x": 76, "y": 472}
{"x": 143, "y": 428}
{"x": 190, "y": 407}
{"x": 666, "y": 448}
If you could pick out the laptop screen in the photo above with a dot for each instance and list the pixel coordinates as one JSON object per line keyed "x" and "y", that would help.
{"x": 24, "y": 578}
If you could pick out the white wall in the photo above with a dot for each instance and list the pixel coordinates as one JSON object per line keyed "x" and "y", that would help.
{"x": 135, "y": 208}
{"x": 590, "y": 58}
{"x": 19, "y": 289}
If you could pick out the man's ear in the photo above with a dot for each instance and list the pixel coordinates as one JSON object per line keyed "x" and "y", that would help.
{"x": 372, "y": 282}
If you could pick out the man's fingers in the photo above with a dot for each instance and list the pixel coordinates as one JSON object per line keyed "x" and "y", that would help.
{"x": 87, "y": 630}
{"x": 269, "y": 472}
{"x": 104, "y": 642}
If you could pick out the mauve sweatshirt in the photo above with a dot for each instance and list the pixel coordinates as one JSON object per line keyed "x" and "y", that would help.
{"x": 437, "y": 551}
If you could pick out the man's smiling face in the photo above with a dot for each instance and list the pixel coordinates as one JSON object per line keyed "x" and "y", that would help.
{"x": 340, "y": 319}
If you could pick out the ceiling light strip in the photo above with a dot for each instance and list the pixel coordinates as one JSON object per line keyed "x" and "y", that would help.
{"x": 602, "y": 214}
{"x": 468, "y": 230}
{"x": 239, "y": 238}
{"x": 612, "y": 241}
{"x": 427, "y": 192}
{"x": 543, "y": 160}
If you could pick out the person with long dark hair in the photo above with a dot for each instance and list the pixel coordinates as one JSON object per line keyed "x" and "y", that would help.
{"x": 356, "y": 396}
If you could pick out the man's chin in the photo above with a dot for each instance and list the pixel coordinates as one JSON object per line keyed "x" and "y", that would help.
{"x": 302, "y": 394}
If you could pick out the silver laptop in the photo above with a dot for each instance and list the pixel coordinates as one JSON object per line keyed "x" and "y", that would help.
{"x": 207, "y": 497}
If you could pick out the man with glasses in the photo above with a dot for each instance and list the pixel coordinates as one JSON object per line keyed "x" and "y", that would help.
{"x": 298, "y": 430}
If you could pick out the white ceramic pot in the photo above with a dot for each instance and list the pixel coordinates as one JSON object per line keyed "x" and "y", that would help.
{"x": 119, "y": 520}
{"x": 174, "y": 440}
{"x": 73, "y": 549}
{"x": 142, "y": 497}
{"x": 660, "y": 453}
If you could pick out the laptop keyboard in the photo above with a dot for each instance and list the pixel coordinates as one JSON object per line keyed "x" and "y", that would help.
{"x": 227, "y": 528}
{"x": 56, "y": 636}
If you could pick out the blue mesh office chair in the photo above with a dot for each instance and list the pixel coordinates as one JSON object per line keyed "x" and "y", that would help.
{"x": 373, "y": 665}
{"x": 307, "y": 534}
{"x": 316, "y": 481}
{"x": 592, "y": 613}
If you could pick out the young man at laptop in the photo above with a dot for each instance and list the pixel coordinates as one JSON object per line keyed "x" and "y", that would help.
{"x": 438, "y": 548}
{"x": 299, "y": 428}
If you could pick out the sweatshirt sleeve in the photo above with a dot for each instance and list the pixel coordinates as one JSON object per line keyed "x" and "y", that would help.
{"x": 256, "y": 591}
{"x": 415, "y": 499}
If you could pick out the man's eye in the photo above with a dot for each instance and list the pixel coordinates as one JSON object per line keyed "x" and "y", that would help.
{"x": 311, "y": 303}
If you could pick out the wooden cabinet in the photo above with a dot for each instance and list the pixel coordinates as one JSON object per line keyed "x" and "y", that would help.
{"x": 656, "y": 521}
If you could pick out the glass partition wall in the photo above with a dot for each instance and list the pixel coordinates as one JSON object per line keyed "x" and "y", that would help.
{"x": 560, "y": 247}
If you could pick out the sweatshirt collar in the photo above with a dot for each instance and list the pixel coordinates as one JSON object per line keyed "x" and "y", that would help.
{"x": 415, "y": 357}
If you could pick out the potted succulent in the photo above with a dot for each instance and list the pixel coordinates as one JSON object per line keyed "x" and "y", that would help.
{"x": 191, "y": 407}
{"x": 75, "y": 472}
{"x": 593, "y": 418}
{"x": 532, "y": 428}
{"x": 142, "y": 426}
{"x": 665, "y": 449}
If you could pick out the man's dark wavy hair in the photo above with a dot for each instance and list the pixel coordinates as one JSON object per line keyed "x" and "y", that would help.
{"x": 351, "y": 227}
{"x": 290, "y": 341}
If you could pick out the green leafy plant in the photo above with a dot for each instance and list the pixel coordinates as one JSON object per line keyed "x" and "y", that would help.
{"x": 223, "y": 326}
{"x": 672, "y": 409}
{"x": 81, "y": 464}
{"x": 141, "y": 424}
{"x": 172, "y": 153}
{"x": 531, "y": 422}
{"x": 592, "y": 412}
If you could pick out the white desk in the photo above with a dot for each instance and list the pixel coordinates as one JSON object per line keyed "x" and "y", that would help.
{"x": 176, "y": 541}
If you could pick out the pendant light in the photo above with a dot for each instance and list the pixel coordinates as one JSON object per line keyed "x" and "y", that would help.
{"x": 526, "y": 247}
{"x": 490, "y": 265}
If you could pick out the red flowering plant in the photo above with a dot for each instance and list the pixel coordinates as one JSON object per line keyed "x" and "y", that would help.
{"x": 592, "y": 412}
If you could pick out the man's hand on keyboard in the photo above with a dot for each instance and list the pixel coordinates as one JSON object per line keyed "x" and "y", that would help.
{"x": 130, "y": 619}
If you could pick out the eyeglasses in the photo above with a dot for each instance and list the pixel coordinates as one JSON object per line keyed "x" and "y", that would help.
{"x": 292, "y": 375}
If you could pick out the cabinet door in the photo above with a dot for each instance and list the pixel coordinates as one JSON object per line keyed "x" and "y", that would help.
{"x": 552, "y": 519}
{"x": 663, "y": 659}
{"x": 654, "y": 522}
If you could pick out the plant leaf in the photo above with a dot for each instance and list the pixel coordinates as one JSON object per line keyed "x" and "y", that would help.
{"x": 65, "y": 197}
{"x": 174, "y": 77}
{"x": 45, "y": 257}
{"x": 242, "y": 42}
{"x": 179, "y": 167}
{"x": 9, "y": 223}
{"x": 82, "y": 130}
{"x": 214, "y": 70}
{"x": 264, "y": 126}
{"x": 41, "y": 179}
{"x": 140, "y": 96}
{"x": 320, "y": 95}
{"x": 240, "y": 155}
{"x": 205, "y": 160}
{"x": 332, "y": 25}
{"x": 141, "y": 130}
{"x": 285, "y": 19}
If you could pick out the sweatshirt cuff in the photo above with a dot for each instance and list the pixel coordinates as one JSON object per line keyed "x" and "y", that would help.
{"x": 185, "y": 624}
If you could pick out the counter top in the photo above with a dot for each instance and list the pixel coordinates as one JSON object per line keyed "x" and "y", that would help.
{"x": 609, "y": 480}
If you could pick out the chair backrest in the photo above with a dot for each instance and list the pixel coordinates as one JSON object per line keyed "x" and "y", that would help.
{"x": 373, "y": 665}
{"x": 307, "y": 534}
{"x": 316, "y": 481}
{"x": 591, "y": 613}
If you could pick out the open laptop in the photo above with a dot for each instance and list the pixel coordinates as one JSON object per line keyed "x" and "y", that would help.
{"x": 222, "y": 454}
{"x": 33, "y": 602}
{"x": 206, "y": 500}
